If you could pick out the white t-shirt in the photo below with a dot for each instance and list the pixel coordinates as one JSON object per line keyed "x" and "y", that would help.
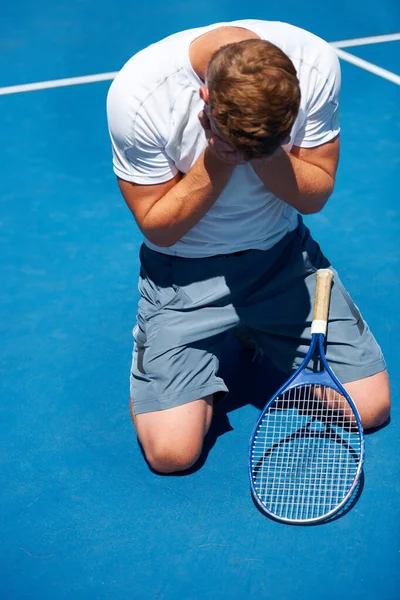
{"x": 153, "y": 107}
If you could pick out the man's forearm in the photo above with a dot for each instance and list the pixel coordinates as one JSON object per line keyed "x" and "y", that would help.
{"x": 304, "y": 186}
{"x": 171, "y": 217}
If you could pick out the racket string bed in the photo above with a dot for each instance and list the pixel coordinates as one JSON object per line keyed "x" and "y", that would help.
{"x": 306, "y": 454}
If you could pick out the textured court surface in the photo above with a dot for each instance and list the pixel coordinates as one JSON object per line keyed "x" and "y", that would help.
{"x": 82, "y": 517}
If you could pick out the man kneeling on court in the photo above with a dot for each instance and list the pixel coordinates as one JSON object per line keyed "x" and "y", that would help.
{"x": 222, "y": 137}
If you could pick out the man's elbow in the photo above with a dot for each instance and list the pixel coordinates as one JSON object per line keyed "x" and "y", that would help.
{"x": 162, "y": 243}
{"x": 161, "y": 239}
{"x": 312, "y": 208}
{"x": 314, "y": 205}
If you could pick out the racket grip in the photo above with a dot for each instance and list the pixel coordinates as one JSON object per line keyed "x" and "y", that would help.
{"x": 321, "y": 302}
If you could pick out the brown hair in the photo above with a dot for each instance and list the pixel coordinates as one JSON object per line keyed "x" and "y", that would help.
{"x": 254, "y": 96}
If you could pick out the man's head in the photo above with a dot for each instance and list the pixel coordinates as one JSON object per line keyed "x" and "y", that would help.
{"x": 253, "y": 96}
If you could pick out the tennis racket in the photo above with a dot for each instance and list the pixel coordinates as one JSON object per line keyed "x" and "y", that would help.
{"x": 307, "y": 447}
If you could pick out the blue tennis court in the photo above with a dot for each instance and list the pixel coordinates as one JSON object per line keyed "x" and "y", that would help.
{"x": 83, "y": 517}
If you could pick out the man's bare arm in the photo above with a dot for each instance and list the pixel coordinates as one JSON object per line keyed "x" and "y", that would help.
{"x": 166, "y": 212}
{"x": 304, "y": 178}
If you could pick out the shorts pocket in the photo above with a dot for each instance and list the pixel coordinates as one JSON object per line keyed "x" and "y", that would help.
{"x": 139, "y": 336}
{"x": 155, "y": 299}
{"x": 353, "y": 308}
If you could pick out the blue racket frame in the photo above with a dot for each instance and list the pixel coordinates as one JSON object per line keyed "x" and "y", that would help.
{"x": 300, "y": 377}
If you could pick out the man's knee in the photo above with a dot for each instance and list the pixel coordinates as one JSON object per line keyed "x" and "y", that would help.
{"x": 380, "y": 413}
{"x": 172, "y": 439}
{"x": 372, "y": 397}
{"x": 169, "y": 457}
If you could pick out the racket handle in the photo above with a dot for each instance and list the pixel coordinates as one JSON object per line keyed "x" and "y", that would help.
{"x": 321, "y": 301}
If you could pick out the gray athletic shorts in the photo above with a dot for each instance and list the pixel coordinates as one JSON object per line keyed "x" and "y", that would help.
{"x": 188, "y": 305}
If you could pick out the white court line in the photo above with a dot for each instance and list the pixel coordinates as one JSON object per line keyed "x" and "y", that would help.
{"x": 365, "y": 41}
{"x": 55, "y": 83}
{"x": 367, "y": 66}
{"x": 45, "y": 85}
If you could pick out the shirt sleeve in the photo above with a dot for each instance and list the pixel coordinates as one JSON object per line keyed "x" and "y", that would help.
{"x": 321, "y": 123}
{"x": 138, "y": 148}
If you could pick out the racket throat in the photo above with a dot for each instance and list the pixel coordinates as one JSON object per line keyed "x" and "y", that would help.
{"x": 313, "y": 362}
